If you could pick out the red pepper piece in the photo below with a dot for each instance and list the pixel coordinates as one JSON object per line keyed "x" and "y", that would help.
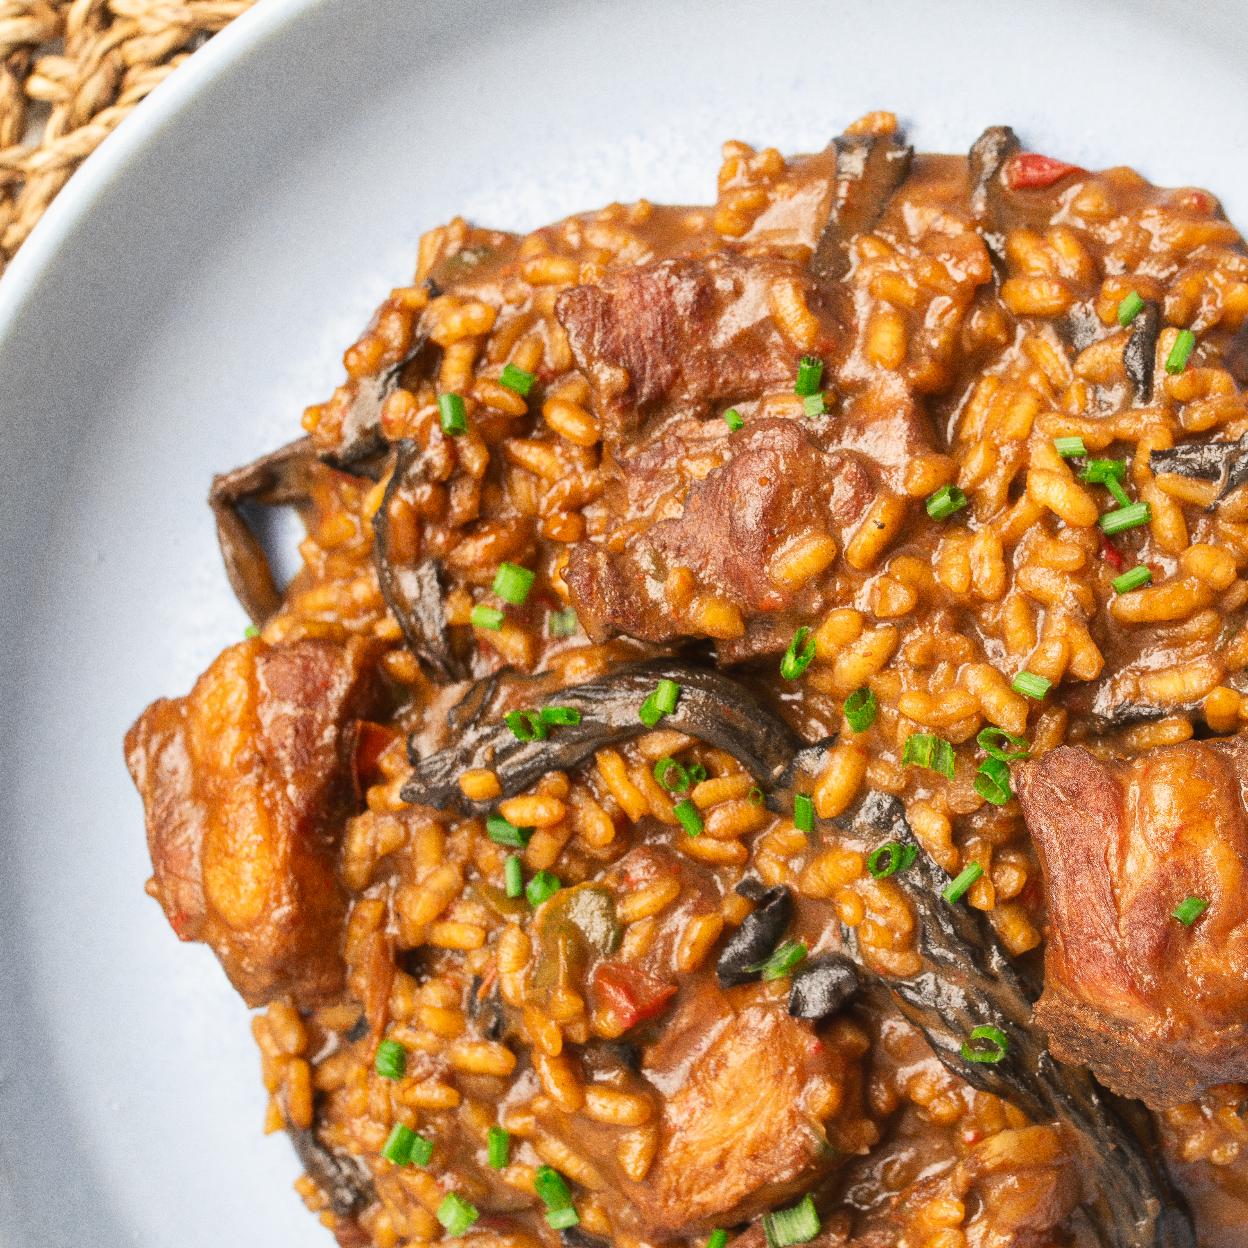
{"x": 1030, "y": 171}
{"x": 631, "y": 995}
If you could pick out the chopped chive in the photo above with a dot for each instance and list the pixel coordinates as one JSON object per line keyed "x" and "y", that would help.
{"x": 391, "y": 1060}
{"x": 486, "y": 617}
{"x": 803, "y": 813}
{"x": 1189, "y": 910}
{"x": 1098, "y": 471}
{"x": 562, "y": 1219}
{"x": 690, "y": 817}
{"x": 732, "y": 418}
{"x": 422, "y": 1151}
{"x": 1069, "y": 448}
{"x": 1121, "y": 497}
{"x": 526, "y": 725}
{"x": 797, "y": 1225}
{"x": 503, "y": 832}
{"x": 784, "y": 961}
{"x": 672, "y": 775}
{"x": 717, "y": 1239}
{"x": 799, "y": 656}
{"x": 1030, "y": 685}
{"x": 860, "y": 709}
{"x": 756, "y": 797}
{"x": 517, "y": 379}
{"x": 512, "y": 583}
{"x": 942, "y": 503}
{"x": 251, "y": 631}
{"x": 513, "y": 877}
{"x": 925, "y": 749}
{"x": 957, "y": 889}
{"x": 1136, "y": 578}
{"x": 890, "y": 858}
{"x": 1181, "y": 352}
{"x": 1125, "y": 518}
{"x": 992, "y": 781}
{"x": 542, "y": 887}
{"x": 552, "y": 1188}
{"x": 398, "y": 1145}
{"x": 560, "y": 716}
{"x": 809, "y": 375}
{"x": 457, "y": 1214}
{"x": 659, "y": 703}
{"x": 988, "y": 742}
{"x": 813, "y": 404}
{"x": 697, "y": 773}
{"x": 986, "y": 1045}
{"x": 563, "y": 623}
{"x": 453, "y": 417}
{"x": 1129, "y": 309}
{"x": 498, "y": 1148}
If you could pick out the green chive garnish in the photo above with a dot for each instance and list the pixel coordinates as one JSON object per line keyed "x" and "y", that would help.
{"x": 486, "y": 617}
{"x": 404, "y": 1147}
{"x": 813, "y": 404}
{"x": 1189, "y": 910}
{"x": 799, "y": 656}
{"x": 391, "y": 1060}
{"x": 732, "y": 418}
{"x": 513, "y": 877}
{"x": 784, "y": 961}
{"x": 498, "y": 1148}
{"x": 1136, "y": 578}
{"x": 925, "y": 749}
{"x": 451, "y": 411}
{"x": 562, "y": 1219}
{"x": 422, "y": 1151}
{"x": 512, "y": 583}
{"x": 526, "y": 725}
{"x": 1129, "y": 309}
{"x": 457, "y": 1214}
{"x": 803, "y": 813}
{"x": 1181, "y": 352}
{"x": 659, "y": 703}
{"x": 957, "y": 889}
{"x": 1130, "y": 517}
{"x": 942, "y": 503}
{"x": 1031, "y": 685}
{"x": 986, "y": 1045}
{"x": 717, "y": 1239}
{"x": 563, "y": 623}
{"x": 671, "y": 775}
{"x": 250, "y": 632}
{"x": 690, "y": 817}
{"x": 992, "y": 781}
{"x": 1069, "y": 448}
{"x": 890, "y": 858}
{"x": 809, "y": 375}
{"x": 552, "y": 1188}
{"x": 993, "y": 741}
{"x": 517, "y": 379}
{"x": 860, "y": 709}
{"x": 541, "y": 887}
{"x": 501, "y": 832}
{"x": 560, "y": 716}
{"x": 798, "y": 1225}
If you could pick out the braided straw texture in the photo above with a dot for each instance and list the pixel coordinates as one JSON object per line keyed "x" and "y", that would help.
{"x": 69, "y": 75}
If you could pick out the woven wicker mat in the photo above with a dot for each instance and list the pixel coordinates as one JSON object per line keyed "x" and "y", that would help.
{"x": 70, "y": 74}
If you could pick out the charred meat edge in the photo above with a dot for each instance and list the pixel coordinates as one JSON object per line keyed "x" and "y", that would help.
{"x": 413, "y": 594}
{"x": 1139, "y": 356}
{"x": 282, "y": 478}
{"x": 968, "y": 981}
{"x": 869, "y": 169}
{"x": 712, "y": 707}
{"x": 1223, "y": 462}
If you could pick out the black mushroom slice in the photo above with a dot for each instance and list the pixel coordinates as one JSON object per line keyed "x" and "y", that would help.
{"x": 342, "y": 1177}
{"x": 869, "y": 169}
{"x": 986, "y": 162}
{"x": 712, "y": 707}
{"x": 755, "y": 939}
{"x": 576, "y": 1237}
{"x": 282, "y": 478}
{"x": 1223, "y": 462}
{"x": 412, "y": 591}
{"x": 823, "y": 986}
{"x": 968, "y": 981}
{"x": 1139, "y": 356}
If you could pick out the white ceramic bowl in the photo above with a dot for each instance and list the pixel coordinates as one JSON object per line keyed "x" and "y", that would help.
{"x": 192, "y": 289}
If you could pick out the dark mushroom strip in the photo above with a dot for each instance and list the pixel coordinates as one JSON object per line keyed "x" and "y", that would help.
{"x": 869, "y": 169}
{"x": 413, "y": 592}
{"x": 1223, "y": 462}
{"x": 823, "y": 986}
{"x": 712, "y": 707}
{"x": 988, "y": 156}
{"x": 755, "y": 939}
{"x": 1139, "y": 356}
{"x": 968, "y": 981}
{"x": 342, "y": 1177}
{"x": 279, "y": 479}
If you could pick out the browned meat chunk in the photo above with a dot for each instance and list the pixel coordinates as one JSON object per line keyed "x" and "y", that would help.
{"x": 1158, "y": 1010}
{"x": 245, "y": 782}
{"x": 775, "y": 489}
{"x": 747, "y": 1128}
{"x": 681, "y": 333}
